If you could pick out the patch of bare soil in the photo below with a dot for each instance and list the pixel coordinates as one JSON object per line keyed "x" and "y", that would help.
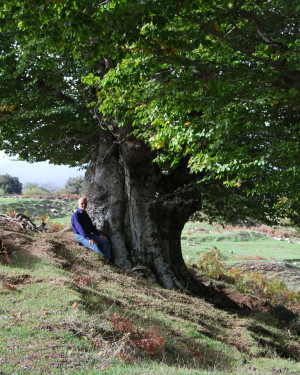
{"x": 245, "y": 301}
{"x": 287, "y": 273}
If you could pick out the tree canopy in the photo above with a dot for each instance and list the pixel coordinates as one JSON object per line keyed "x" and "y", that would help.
{"x": 75, "y": 185}
{"x": 213, "y": 82}
{"x": 10, "y": 185}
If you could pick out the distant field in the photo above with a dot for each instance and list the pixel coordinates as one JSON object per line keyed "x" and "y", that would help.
{"x": 236, "y": 245}
{"x": 59, "y": 210}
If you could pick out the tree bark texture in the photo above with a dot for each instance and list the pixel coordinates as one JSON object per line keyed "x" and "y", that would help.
{"x": 141, "y": 210}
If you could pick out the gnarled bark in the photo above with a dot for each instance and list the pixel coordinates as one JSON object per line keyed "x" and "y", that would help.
{"x": 141, "y": 210}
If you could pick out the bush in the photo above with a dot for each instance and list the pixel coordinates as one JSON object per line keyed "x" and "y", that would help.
{"x": 211, "y": 263}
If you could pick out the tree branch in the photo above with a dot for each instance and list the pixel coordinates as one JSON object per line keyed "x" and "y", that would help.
{"x": 59, "y": 95}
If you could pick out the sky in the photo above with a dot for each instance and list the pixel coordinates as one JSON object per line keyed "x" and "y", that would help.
{"x": 41, "y": 173}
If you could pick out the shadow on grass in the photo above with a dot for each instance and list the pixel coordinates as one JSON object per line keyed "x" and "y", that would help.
{"x": 197, "y": 351}
{"x": 29, "y": 252}
{"x": 19, "y": 249}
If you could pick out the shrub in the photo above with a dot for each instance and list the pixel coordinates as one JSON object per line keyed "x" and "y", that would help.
{"x": 10, "y": 211}
{"x": 284, "y": 233}
{"x": 49, "y": 224}
{"x": 55, "y": 226}
{"x": 211, "y": 264}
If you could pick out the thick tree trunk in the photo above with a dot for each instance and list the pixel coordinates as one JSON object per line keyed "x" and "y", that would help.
{"x": 141, "y": 210}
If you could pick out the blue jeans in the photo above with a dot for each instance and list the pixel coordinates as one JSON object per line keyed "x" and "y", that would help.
{"x": 101, "y": 245}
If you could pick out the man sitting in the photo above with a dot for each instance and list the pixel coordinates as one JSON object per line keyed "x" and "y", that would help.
{"x": 87, "y": 234}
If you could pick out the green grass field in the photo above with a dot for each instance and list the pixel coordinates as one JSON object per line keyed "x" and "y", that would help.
{"x": 234, "y": 245}
{"x": 59, "y": 210}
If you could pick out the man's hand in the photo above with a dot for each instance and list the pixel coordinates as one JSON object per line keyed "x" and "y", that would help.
{"x": 92, "y": 242}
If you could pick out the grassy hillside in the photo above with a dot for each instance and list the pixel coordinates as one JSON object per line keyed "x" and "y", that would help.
{"x": 63, "y": 311}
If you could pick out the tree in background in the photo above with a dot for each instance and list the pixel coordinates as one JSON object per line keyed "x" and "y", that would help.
{"x": 10, "y": 185}
{"x": 174, "y": 105}
{"x": 51, "y": 187}
{"x": 32, "y": 188}
{"x": 75, "y": 185}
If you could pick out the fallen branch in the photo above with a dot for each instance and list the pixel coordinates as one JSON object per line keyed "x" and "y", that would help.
{"x": 66, "y": 229}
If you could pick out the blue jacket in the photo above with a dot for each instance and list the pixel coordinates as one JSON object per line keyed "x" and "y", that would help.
{"x": 82, "y": 224}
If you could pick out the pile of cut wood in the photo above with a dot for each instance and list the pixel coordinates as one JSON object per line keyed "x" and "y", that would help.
{"x": 21, "y": 222}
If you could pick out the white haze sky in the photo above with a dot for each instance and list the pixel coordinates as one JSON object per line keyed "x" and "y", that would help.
{"x": 41, "y": 173}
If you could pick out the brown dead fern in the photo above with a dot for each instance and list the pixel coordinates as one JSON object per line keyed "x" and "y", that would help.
{"x": 3, "y": 251}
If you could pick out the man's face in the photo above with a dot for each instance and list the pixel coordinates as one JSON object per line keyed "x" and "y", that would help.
{"x": 82, "y": 203}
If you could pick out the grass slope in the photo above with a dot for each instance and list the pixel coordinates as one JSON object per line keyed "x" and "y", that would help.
{"x": 64, "y": 311}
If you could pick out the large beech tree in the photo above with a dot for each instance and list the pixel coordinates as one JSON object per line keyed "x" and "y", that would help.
{"x": 173, "y": 106}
